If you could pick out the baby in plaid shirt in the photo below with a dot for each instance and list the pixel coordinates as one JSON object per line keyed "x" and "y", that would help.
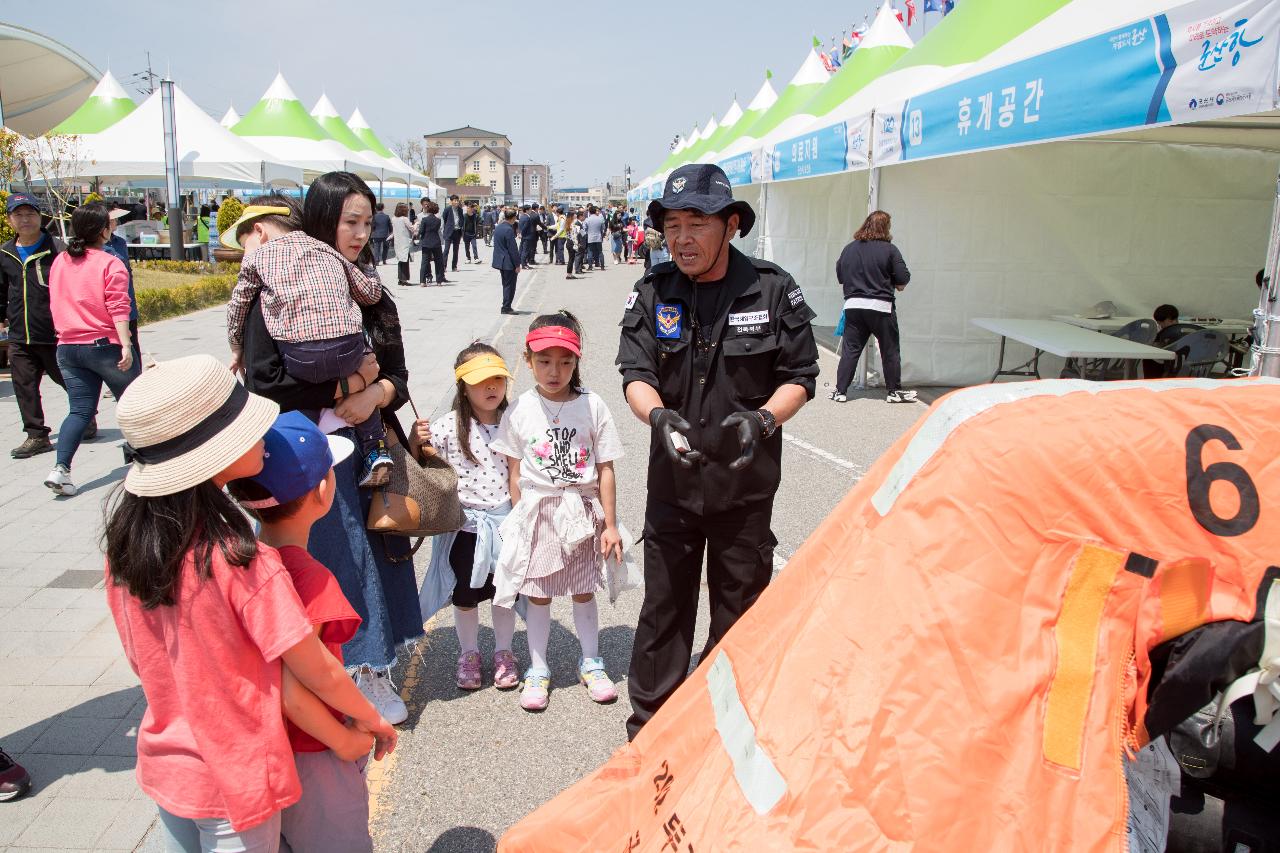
{"x": 308, "y": 292}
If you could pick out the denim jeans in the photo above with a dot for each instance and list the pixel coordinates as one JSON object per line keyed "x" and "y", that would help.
{"x": 84, "y": 368}
{"x": 215, "y": 835}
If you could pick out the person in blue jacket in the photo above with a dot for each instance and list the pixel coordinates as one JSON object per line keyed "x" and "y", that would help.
{"x": 506, "y": 258}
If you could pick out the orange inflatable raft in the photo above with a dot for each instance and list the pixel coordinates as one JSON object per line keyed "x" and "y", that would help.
{"x": 957, "y": 659}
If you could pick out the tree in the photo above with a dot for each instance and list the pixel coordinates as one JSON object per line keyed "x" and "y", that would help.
{"x": 57, "y": 160}
{"x": 470, "y": 179}
{"x": 413, "y": 152}
{"x": 10, "y": 164}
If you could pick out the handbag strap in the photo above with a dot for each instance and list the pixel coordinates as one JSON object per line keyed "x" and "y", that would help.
{"x": 407, "y": 558}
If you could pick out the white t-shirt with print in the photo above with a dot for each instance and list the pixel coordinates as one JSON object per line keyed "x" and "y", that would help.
{"x": 482, "y": 484}
{"x": 558, "y": 454}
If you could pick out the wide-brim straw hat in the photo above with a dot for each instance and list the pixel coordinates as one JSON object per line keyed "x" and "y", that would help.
{"x": 185, "y": 421}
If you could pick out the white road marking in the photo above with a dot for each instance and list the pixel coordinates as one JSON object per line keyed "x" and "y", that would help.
{"x": 826, "y": 456}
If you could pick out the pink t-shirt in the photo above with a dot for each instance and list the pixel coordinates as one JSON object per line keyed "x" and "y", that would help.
{"x": 212, "y": 742}
{"x": 87, "y": 295}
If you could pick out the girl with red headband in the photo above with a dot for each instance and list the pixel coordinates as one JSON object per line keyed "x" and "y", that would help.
{"x": 561, "y": 442}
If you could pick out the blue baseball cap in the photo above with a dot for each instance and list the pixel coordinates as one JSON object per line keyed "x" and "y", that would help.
{"x": 297, "y": 457}
{"x": 17, "y": 200}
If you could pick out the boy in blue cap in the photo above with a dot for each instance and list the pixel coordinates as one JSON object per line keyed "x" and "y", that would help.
{"x": 294, "y": 490}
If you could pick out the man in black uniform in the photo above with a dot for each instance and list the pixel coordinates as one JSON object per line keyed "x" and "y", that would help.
{"x": 716, "y": 354}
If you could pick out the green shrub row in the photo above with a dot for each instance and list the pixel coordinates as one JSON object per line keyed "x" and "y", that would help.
{"x": 192, "y": 267}
{"x": 160, "y": 303}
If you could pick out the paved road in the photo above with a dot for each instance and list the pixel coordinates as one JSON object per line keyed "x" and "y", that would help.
{"x": 471, "y": 764}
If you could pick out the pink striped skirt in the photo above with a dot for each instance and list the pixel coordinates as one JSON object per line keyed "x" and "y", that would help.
{"x": 552, "y": 571}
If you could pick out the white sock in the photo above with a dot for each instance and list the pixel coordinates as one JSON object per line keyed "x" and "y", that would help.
{"x": 537, "y": 622}
{"x": 586, "y": 621}
{"x": 504, "y": 625}
{"x": 467, "y": 624}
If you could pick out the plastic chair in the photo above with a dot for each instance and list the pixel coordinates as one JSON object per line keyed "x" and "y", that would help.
{"x": 1180, "y": 330}
{"x": 1140, "y": 331}
{"x": 1199, "y": 352}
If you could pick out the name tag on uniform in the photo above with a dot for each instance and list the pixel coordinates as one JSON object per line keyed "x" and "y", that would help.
{"x": 754, "y": 318}
{"x": 666, "y": 320}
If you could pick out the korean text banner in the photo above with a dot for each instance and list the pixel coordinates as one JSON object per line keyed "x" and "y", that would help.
{"x": 1203, "y": 60}
{"x": 821, "y": 152}
{"x": 739, "y": 169}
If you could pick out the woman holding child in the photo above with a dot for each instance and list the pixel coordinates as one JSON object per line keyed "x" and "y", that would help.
{"x": 338, "y": 212}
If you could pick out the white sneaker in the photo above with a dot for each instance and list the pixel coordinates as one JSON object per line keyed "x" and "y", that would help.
{"x": 59, "y": 481}
{"x": 376, "y": 687}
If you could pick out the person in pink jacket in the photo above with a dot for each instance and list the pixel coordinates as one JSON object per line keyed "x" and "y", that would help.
{"x": 89, "y": 299}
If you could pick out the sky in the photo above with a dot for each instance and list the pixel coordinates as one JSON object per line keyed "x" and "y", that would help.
{"x": 589, "y": 88}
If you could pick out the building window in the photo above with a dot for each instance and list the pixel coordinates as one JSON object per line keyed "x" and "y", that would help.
{"x": 456, "y": 143}
{"x": 493, "y": 165}
{"x": 493, "y": 142}
{"x": 439, "y": 143}
{"x": 475, "y": 165}
{"x": 493, "y": 185}
{"x": 533, "y": 182}
{"x": 515, "y": 182}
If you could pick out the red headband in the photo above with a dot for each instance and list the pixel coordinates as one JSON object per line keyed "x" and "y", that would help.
{"x": 554, "y": 336}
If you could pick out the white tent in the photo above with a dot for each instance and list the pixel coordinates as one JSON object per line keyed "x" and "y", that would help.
{"x": 398, "y": 170}
{"x": 230, "y": 118}
{"x": 1101, "y": 153}
{"x": 131, "y": 151}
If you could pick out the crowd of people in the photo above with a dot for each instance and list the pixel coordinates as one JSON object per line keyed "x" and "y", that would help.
{"x": 307, "y": 611}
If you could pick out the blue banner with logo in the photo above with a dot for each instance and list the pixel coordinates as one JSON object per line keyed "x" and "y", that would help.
{"x": 738, "y": 169}
{"x": 821, "y": 152}
{"x": 1111, "y": 81}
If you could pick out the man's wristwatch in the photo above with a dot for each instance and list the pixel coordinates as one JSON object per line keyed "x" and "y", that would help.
{"x": 768, "y": 423}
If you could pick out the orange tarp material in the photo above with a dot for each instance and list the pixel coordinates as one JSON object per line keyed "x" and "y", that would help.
{"x": 957, "y": 657}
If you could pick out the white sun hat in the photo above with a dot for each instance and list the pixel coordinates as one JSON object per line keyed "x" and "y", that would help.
{"x": 185, "y": 421}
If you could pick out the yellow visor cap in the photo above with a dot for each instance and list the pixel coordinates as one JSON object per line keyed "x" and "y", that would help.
{"x": 482, "y": 367}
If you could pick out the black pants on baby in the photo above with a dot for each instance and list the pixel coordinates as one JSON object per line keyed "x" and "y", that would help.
{"x": 329, "y": 361}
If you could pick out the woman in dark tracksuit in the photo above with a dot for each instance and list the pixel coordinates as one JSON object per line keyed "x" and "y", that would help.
{"x": 429, "y": 240}
{"x": 871, "y": 271}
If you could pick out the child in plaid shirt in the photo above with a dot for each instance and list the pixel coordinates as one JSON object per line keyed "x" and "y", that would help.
{"x": 309, "y": 293}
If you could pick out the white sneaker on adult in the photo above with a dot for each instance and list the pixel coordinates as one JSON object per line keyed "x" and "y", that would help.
{"x": 59, "y": 481}
{"x": 376, "y": 687}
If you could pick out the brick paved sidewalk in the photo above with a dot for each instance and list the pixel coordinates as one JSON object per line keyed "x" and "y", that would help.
{"x": 69, "y": 704}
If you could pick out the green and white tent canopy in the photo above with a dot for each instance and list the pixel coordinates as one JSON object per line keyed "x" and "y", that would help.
{"x": 106, "y": 105}
{"x": 714, "y": 140}
{"x": 280, "y": 125}
{"x": 806, "y": 82}
{"x": 326, "y": 115}
{"x": 397, "y": 169}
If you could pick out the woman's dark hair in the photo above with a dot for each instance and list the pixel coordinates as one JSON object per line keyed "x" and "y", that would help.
{"x": 402, "y": 209}
{"x": 432, "y": 208}
{"x": 382, "y": 321}
{"x": 204, "y": 210}
{"x": 566, "y": 319}
{"x": 285, "y": 222}
{"x": 147, "y": 540}
{"x": 87, "y": 224}
{"x": 462, "y": 403}
{"x": 876, "y": 227}
{"x": 248, "y": 490}
{"x": 322, "y": 210}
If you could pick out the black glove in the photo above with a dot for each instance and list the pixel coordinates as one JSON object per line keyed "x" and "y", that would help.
{"x": 750, "y": 429}
{"x": 669, "y": 423}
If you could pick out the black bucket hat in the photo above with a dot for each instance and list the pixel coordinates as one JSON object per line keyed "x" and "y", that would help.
{"x": 703, "y": 187}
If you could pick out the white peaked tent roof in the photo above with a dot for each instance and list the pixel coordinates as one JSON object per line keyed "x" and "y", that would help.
{"x": 328, "y": 117}
{"x": 41, "y": 81}
{"x": 280, "y": 125}
{"x": 398, "y": 170}
{"x": 230, "y": 118}
{"x": 811, "y": 74}
{"x": 765, "y": 98}
{"x": 133, "y": 147}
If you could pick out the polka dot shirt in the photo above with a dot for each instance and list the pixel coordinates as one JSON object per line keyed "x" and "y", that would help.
{"x": 482, "y": 484}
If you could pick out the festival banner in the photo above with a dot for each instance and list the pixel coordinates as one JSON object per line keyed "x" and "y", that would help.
{"x": 821, "y": 152}
{"x": 738, "y": 168}
{"x": 1204, "y": 60}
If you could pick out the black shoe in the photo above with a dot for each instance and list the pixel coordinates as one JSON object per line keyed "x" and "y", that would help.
{"x": 90, "y": 431}
{"x": 446, "y": 281}
{"x": 32, "y": 447}
{"x": 507, "y": 311}
{"x": 14, "y": 780}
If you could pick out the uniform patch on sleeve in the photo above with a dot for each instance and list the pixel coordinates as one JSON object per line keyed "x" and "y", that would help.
{"x": 797, "y": 297}
{"x": 631, "y": 300}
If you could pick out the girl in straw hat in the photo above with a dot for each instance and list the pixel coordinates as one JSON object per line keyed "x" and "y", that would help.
{"x": 207, "y": 615}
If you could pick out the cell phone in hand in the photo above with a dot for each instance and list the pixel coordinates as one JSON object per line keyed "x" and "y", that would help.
{"x": 680, "y": 443}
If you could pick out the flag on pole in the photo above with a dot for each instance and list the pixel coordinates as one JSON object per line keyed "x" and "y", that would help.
{"x": 932, "y": 5}
{"x": 911, "y": 12}
{"x": 948, "y": 6}
{"x": 897, "y": 15}
{"x": 768, "y": 75}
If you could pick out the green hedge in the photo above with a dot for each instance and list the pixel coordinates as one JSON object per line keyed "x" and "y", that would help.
{"x": 158, "y": 304}
{"x": 192, "y": 267}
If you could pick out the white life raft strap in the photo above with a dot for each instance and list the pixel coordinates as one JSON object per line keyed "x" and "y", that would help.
{"x": 759, "y": 779}
{"x": 1264, "y": 682}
